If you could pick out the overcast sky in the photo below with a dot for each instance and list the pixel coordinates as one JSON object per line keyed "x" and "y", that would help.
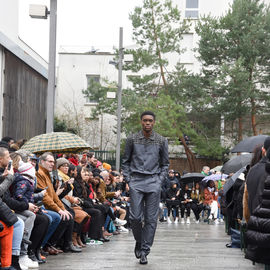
{"x": 79, "y": 23}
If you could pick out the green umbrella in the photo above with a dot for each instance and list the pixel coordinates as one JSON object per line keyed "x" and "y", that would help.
{"x": 56, "y": 142}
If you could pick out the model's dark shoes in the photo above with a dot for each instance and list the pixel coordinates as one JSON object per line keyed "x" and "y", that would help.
{"x": 137, "y": 250}
{"x": 143, "y": 259}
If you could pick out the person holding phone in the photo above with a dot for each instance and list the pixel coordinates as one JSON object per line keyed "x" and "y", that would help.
{"x": 53, "y": 203}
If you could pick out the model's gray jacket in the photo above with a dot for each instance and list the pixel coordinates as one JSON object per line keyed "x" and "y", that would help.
{"x": 145, "y": 155}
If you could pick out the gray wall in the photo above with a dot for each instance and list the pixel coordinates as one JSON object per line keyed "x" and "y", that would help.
{"x": 25, "y": 93}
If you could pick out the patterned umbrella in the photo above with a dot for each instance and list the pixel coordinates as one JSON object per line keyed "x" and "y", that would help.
{"x": 56, "y": 142}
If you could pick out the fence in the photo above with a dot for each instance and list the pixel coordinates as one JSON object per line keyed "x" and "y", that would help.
{"x": 106, "y": 156}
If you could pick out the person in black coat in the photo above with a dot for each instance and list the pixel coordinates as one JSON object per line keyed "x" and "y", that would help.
{"x": 172, "y": 201}
{"x": 185, "y": 204}
{"x": 258, "y": 227}
{"x": 97, "y": 213}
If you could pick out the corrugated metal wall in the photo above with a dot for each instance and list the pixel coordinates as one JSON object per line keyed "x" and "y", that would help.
{"x": 25, "y": 93}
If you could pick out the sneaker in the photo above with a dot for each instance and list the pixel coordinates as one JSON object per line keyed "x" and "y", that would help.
{"x": 24, "y": 260}
{"x": 94, "y": 242}
{"x": 24, "y": 267}
{"x": 210, "y": 217}
{"x": 176, "y": 220}
{"x": 169, "y": 220}
{"x": 188, "y": 220}
{"x": 216, "y": 221}
{"x": 221, "y": 220}
{"x": 197, "y": 221}
{"x": 123, "y": 229}
{"x": 120, "y": 222}
{"x": 182, "y": 221}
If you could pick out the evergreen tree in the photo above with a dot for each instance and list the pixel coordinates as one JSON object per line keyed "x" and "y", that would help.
{"x": 235, "y": 51}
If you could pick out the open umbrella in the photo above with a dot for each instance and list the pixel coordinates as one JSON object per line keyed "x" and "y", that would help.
{"x": 248, "y": 144}
{"x": 215, "y": 177}
{"x": 56, "y": 142}
{"x": 236, "y": 163}
{"x": 191, "y": 178}
{"x": 230, "y": 182}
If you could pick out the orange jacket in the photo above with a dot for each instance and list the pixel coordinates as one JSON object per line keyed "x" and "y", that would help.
{"x": 50, "y": 200}
{"x": 209, "y": 197}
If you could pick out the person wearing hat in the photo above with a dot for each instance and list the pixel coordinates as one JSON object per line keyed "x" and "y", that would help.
{"x": 23, "y": 190}
{"x": 145, "y": 165}
{"x": 107, "y": 166}
{"x": 71, "y": 203}
{"x": 53, "y": 203}
{"x": 34, "y": 161}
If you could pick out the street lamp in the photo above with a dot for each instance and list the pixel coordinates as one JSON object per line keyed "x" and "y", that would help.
{"x": 41, "y": 12}
{"x": 119, "y": 96}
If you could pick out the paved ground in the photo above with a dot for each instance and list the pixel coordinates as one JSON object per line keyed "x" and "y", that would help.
{"x": 177, "y": 246}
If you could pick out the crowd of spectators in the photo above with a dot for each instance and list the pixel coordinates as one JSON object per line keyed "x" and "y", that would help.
{"x": 56, "y": 203}
{"x": 203, "y": 199}
{"x": 63, "y": 203}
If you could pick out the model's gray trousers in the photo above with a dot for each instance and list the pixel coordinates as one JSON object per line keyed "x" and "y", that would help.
{"x": 144, "y": 208}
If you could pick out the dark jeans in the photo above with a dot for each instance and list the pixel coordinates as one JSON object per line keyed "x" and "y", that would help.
{"x": 183, "y": 207}
{"x": 173, "y": 204}
{"x": 64, "y": 229}
{"x": 39, "y": 231}
{"x": 197, "y": 209}
{"x": 96, "y": 223}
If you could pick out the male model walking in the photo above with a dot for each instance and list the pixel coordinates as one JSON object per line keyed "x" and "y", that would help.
{"x": 145, "y": 165}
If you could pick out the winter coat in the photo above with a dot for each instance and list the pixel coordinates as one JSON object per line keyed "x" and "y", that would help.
{"x": 13, "y": 204}
{"x": 255, "y": 184}
{"x": 102, "y": 193}
{"x": 258, "y": 230}
{"x": 23, "y": 189}
{"x": 172, "y": 193}
{"x": 167, "y": 183}
{"x": 51, "y": 200}
{"x": 78, "y": 192}
{"x": 209, "y": 197}
{"x": 6, "y": 214}
{"x": 185, "y": 195}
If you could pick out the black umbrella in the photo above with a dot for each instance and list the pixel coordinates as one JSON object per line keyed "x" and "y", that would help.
{"x": 248, "y": 144}
{"x": 230, "y": 182}
{"x": 191, "y": 178}
{"x": 236, "y": 163}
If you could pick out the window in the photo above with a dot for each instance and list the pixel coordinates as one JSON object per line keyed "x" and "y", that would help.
{"x": 91, "y": 81}
{"x": 192, "y": 9}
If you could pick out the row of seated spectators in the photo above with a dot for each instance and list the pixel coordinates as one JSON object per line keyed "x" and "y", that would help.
{"x": 198, "y": 199}
{"x": 49, "y": 206}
